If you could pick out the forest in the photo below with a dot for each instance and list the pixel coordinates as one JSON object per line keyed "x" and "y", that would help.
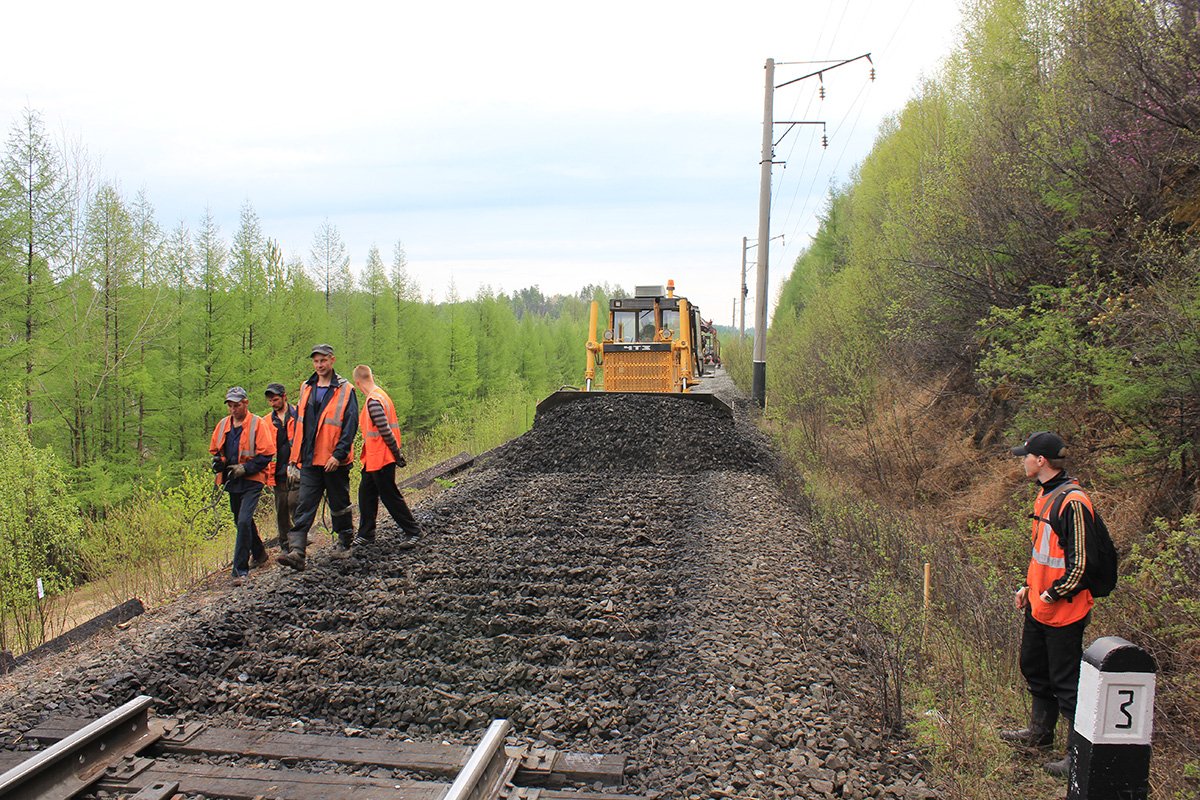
{"x": 121, "y": 335}
{"x": 1017, "y": 253}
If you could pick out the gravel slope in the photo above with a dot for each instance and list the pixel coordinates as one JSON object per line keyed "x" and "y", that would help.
{"x": 624, "y": 578}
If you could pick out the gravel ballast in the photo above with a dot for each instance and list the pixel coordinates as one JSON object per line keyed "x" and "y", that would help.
{"x": 625, "y": 578}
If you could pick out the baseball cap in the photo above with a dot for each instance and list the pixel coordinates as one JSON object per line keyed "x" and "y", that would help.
{"x": 321, "y": 349}
{"x": 236, "y": 394}
{"x": 1042, "y": 443}
{"x": 275, "y": 389}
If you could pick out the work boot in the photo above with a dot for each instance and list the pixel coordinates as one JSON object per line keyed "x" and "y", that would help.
{"x": 1040, "y": 733}
{"x": 341, "y": 547}
{"x": 294, "y": 557}
{"x": 1062, "y": 767}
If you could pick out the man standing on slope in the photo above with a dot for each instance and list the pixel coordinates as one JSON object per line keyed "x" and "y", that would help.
{"x": 1056, "y": 603}
{"x": 242, "y": 448}
{"x": 380, "y": 456}
{"x": 326, "y": 422}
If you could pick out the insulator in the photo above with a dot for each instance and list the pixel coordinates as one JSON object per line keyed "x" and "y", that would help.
{"x": 824, "y": 141}
{"x": 821, "y": 93}
{"x": 872, "y": 73}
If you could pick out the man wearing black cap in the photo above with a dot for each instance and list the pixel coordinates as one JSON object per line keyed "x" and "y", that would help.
{"x": 242, "y": 448}
{"x": 326, "y": 423}
{"x": 1055, "y": 598}
{"x": 286, "y": 478}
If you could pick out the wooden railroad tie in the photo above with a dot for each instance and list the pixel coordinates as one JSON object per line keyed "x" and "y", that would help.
{"x": 489, "y": 772}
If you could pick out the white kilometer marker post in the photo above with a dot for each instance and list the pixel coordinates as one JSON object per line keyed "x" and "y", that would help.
{"x": 1114, "y": 720}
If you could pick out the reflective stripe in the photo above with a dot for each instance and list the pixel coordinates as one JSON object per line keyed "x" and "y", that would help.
{"x": 343, "y": 401}
{"x": 375, "y": 434}
{"x": 248, "y": 433}
{"x": 1042, "y": 553}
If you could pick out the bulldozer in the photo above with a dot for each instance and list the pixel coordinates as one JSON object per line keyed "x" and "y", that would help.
{"x": 651, "y": 346}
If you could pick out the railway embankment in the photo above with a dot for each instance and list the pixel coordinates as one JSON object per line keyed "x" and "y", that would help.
{"x": 628, "y": 577}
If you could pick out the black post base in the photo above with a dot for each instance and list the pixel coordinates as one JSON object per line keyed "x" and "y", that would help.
{"x": 758, "y": 391}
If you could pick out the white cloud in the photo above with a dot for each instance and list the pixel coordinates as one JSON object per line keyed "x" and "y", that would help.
{"x": 528, "y": 142}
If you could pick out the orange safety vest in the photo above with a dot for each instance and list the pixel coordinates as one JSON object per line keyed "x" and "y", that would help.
{"x": 257, "y": 439}
{"x": 1048, "y": 563}
{"x": 375, "y": 453}
{"x": 289, "y": 430}
{"x": 329, "y": 426}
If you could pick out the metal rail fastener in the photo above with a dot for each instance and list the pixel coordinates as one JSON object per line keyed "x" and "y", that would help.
{"x": 66, "y": 768}
{"x": 489, "y": 770}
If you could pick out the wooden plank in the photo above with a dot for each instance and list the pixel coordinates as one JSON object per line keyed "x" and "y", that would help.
{"x": 244, "y": 783}
{"x": 447, "y": 467}
{"x": 541, "y": 768}
{"x": 434, "y": 758}
{"x": 11, "y": 758}
{"x": 114, "y": 616}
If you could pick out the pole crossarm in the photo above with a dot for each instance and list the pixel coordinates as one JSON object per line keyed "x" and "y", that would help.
{"x": 821, "y": 72}
{"x": 793, "y": 123}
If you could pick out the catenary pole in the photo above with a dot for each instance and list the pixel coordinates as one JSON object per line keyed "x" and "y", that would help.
{"x": 759, "y": 385}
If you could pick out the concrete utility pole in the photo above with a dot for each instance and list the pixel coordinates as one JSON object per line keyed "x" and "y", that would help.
{"x": 759, "y": 384}
{"x": 745, "y": 291}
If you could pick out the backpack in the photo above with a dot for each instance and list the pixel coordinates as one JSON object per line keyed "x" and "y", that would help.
{"x": 1100, "y": 572}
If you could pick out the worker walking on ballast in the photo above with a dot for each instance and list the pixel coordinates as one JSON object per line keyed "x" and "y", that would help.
{"x": 380, "y": 457}
{"x": 326, "y": 422}
{"x": 242, "y": 447}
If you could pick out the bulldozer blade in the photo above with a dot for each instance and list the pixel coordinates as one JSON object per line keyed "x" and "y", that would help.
{"x": 573, "y": 395}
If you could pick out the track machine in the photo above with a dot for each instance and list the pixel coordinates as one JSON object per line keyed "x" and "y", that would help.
{"x": 652, "y": 346}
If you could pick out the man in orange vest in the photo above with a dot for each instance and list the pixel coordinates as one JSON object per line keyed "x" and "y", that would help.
{"x": 282, "y": 476}
{"x": 326, "y": 423}
{"x": 1055, "y": 599}
{"x": 380, "y": 457}
{"x": 242, "y": 448}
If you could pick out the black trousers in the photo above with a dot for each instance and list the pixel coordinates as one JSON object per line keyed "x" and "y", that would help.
{"x": 1050, "y": 660}
{"x": 286, "y": 501}
{"x": 381, "y": 485}
{"x": 243, "y": 505}
{"x": 315, "y": 482}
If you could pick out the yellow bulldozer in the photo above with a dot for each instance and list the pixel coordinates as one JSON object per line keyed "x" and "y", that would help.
{"x": 651, "y": 346}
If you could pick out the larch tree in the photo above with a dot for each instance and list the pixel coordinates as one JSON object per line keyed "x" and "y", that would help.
{"x": 34, "y": 214}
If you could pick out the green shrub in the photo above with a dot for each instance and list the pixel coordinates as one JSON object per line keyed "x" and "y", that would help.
{"x": 39, "y": 531}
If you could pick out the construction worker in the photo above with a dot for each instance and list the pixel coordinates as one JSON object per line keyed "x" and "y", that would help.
{"x": 380, "y": 457}
{"x": 242, "y": 448}
{"x": 283, "y": 477}
{"x": 1055, "y": 600}
{"x": 326, "y": 422}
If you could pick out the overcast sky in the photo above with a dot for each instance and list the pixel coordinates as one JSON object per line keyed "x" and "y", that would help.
{"x": 505, "y": 144}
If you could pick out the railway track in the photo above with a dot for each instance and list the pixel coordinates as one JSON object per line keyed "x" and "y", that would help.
{"x": 132, "y": 754}
{"x": 626, "y": 578}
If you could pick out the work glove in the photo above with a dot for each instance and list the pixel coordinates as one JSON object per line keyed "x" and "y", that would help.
{"x": 218, "y": 465}
{"x": 237, "y": 471}
{"x": 293, "y": 476}
{"x": 401, "y": 461}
